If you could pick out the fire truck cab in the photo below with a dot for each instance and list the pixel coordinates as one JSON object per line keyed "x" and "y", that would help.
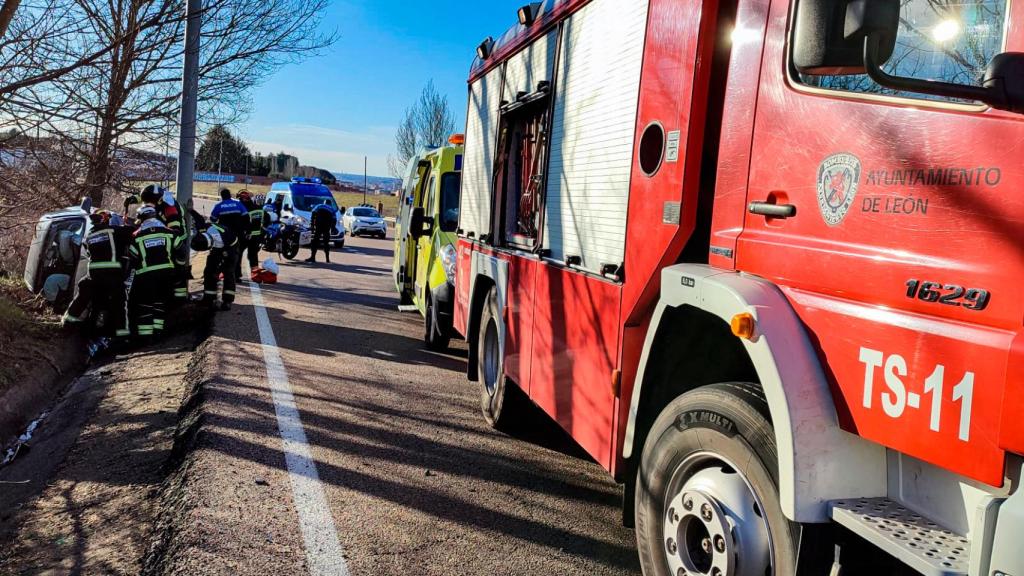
{"x": 762, "y": 259}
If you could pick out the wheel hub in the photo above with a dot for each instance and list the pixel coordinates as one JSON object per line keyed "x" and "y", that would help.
{"x": 714, "y": 526}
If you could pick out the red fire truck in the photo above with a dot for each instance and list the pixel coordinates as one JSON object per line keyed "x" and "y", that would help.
{"x": 763, "y": 260}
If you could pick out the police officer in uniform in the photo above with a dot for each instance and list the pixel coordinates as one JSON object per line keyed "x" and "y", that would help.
{"x": 324, "y": 220}
{"x": 103, "y": 287}
{"x": 232, "y": 216}
{"x": 151, "y": 261}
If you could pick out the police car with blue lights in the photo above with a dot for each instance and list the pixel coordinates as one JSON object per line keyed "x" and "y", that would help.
{"x": 296, "y": 199}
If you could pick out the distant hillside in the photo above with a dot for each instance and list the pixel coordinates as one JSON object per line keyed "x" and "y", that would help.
{"x": 378, "y": 182}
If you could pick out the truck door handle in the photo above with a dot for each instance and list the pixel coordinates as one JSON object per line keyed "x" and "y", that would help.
{"x": 773, "y": 210}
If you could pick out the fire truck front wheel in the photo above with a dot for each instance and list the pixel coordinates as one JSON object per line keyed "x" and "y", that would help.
{"x": 494, "y": 389}
{"x": 707, "y": 498}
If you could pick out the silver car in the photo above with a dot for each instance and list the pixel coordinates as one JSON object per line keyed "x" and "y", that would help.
{"x": 364, "y": 221}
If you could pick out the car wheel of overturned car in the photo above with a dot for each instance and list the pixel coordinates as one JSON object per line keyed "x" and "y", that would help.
{"x": 707, "y": 498}
{"x": 494, "y": 390}
{"x": 434, "y": 335}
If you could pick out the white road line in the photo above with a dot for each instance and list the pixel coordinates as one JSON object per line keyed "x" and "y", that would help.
{"x": 323, "y": 552}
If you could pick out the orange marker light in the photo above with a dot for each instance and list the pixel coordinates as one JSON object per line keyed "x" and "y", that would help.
{"x": 457, "y": 139}
{"x": 743, "y": 326}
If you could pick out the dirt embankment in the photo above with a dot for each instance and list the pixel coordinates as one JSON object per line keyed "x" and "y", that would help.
{"x": 90, "y": 488}
{"x": 87, "y": 494}
{"x": 37, "y": 358}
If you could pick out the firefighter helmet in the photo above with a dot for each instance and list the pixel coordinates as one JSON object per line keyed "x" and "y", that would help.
{"x": 146, "y": 213}
{"x": 152, "y": 194}
{"x": 100, "y": 218}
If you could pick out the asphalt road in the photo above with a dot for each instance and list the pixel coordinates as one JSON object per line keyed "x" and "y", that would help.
{"x": 412, "y": 478}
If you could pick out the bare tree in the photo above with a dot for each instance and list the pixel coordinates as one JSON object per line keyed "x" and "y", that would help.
{"x": 406, "y": 144}
{"x": 433, "y": 117}
{"x": 129, "y": 97}
{"x": 428, "y": 123}
{"x": 87, "y": 87}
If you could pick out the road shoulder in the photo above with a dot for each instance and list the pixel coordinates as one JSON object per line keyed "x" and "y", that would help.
{"x": 227, "y": 506}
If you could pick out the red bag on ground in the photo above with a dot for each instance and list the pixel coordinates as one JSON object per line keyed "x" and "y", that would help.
{"x": 263, "y": 276}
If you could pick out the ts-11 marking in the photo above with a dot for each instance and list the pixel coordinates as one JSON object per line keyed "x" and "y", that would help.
{"x": 896, "y": 398}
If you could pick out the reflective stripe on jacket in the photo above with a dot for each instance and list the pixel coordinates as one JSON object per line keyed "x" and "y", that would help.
{"x": 153, "y": 250}
{"x": 102, "y": 248}
{"x": 256, "y": 222}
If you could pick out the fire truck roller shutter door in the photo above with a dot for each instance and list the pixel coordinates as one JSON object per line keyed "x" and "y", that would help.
{"x": 478, "y": 163}
{"x": 818, "y": 462}
{"x": 531, "y": 66}
{"x": 595, "y": 109}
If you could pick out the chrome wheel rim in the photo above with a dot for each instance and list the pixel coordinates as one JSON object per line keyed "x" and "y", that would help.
{"x": 713, "y": 522}
{"x": 491, "y": 357}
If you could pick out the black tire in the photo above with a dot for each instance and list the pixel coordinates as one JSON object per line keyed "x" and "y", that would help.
{"x": 720, "y": 430}
{"x": 434, "y": 336}
{"x": 339, "y": 244}
{"x": 290, "y": 247}
{"x": 494, "y": 387}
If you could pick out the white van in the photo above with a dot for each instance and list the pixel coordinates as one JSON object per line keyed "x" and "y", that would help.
{"x": 300, "y": 196}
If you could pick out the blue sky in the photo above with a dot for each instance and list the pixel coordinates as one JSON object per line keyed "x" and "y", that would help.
{"x": 359, "y": 89}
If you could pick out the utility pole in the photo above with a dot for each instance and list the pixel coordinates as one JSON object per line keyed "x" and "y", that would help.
{"x": 189, "y": 104}
{"x": 364, "y": 179}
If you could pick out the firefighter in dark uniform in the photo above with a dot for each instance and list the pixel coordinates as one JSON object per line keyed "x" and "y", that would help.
{"x": 152, "y": 272}
{"x": 223, "y": 245}
{"x": 254, "y": 240}
{"x": 172, "y": 215}
{"x": 167, "y": 207}
{"x": 324, "y": 220}
{"x": 103, "y": 287}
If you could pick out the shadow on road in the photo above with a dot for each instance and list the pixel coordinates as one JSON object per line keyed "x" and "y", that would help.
{"x": 322, "y": 339}
{"x": 373, "y": 445}
{"x": 336, "y": 266}
{"x": 387, "y": 252}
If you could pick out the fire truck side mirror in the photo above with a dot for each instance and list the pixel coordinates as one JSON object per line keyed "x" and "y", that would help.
{"x": 835, "y": 37}
{"x": 1004, "y": 80}
{"x": 1002, "y": 87}
{"x": 829, "y": 35}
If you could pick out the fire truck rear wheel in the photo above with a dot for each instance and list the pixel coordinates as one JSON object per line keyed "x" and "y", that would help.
{"x": 494, "y": 390}
{"x": 707, "y": 498}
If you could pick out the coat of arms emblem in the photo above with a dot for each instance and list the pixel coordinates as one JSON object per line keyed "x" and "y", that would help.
{"x": 838, "y": 180}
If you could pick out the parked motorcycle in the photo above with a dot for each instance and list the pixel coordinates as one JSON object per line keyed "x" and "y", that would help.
{"x": 287, "y": 236}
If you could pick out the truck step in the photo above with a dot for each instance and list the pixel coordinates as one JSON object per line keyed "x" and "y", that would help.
{"x": 918, "y": 542}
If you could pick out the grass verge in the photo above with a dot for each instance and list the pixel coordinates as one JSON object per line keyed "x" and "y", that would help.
{"x": 28, "y": 332}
